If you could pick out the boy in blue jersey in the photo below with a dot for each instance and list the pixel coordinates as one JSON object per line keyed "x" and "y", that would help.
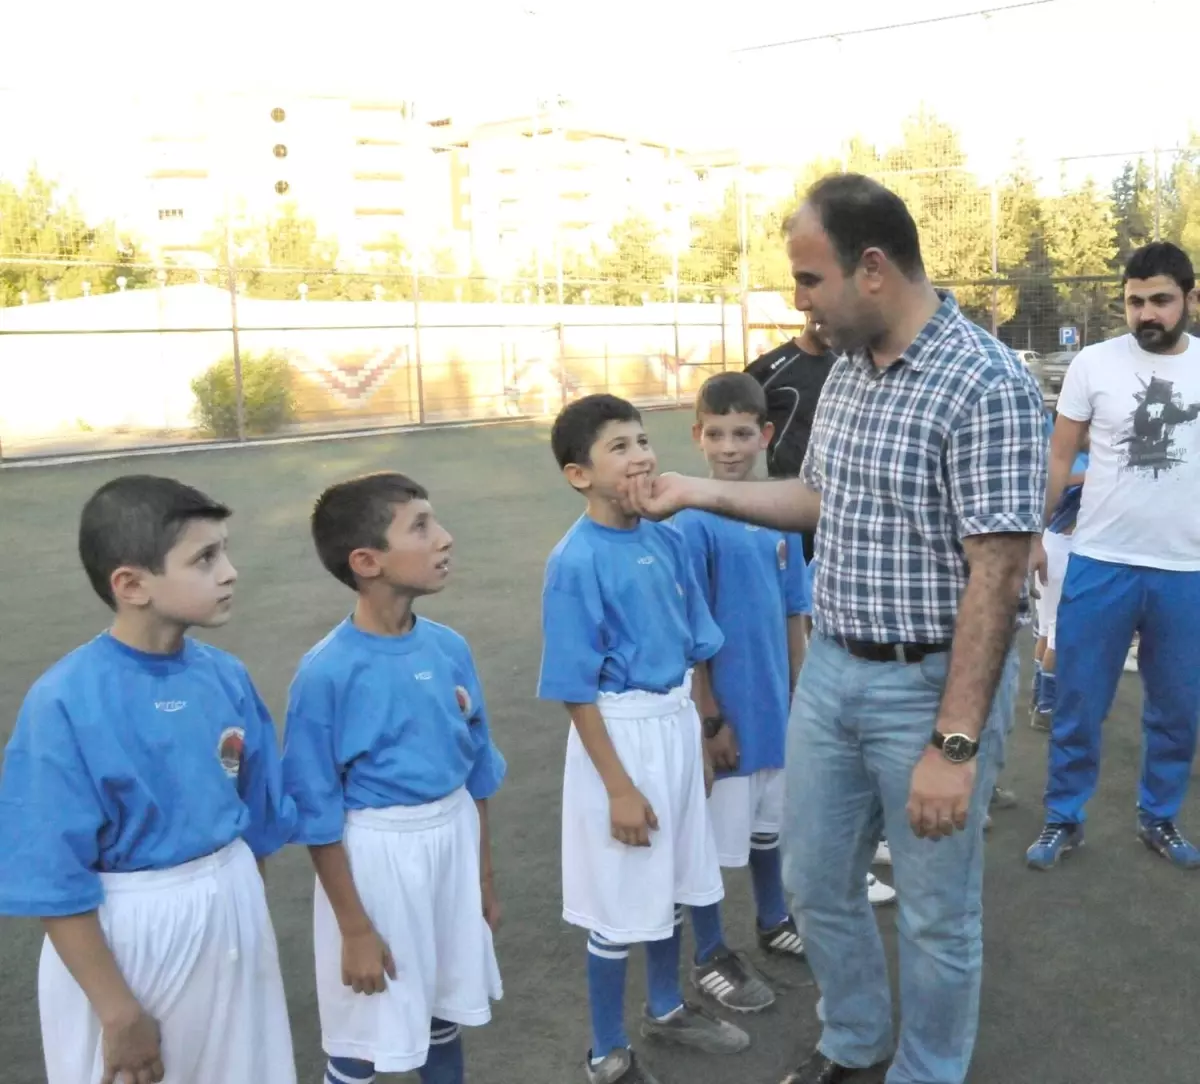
{"x": 389, "y": 757}
{"x": 141, "y": 783}
{"x": 756, "y": 584}
{"x": 1056, "y": 540}
{"x": 624, "y": 623}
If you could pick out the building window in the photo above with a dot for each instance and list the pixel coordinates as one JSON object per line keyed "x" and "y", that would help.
{"x": 169, "y": 212}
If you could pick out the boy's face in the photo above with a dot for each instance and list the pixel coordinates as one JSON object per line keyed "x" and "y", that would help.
{"x": 195, "y": 586}
{"x": 417, "y": 558}
{"x": 620, "y": 452}
{"x": 731, "y": 443}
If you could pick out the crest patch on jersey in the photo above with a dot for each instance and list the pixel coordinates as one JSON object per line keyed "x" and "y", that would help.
{"x": 781, "y": 554}
{"x": 230, "y": 747}
{"x": 464, "y": 700}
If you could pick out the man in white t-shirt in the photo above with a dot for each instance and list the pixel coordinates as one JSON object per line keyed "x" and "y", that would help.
{"x": 1135, "y": 565}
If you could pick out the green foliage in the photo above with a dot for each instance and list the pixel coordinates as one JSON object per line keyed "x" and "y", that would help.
{"x": 266, "y": 395}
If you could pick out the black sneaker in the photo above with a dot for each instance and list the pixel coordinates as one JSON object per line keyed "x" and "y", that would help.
{"x": 782, "y": 940}
{"x": 732, "y": 982}
{"x": 694, "y": 1026}
{"x": 618, "y": 1067}
{"x": 820, "y": 1070}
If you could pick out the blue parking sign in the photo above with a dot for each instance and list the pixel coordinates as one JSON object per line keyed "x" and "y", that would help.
{"x": 1068, "y": 336}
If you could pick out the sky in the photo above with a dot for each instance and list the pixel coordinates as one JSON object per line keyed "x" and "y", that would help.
{"x": 1050, "y": 76}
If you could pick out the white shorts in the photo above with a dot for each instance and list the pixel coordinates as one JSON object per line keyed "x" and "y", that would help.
{"x": 196, "y": 946}
{"x": 416, "y": 869}
{"x": 741, "y": 806}
{"x": 1058, "y": 551}
{"x": 628, "y": 894}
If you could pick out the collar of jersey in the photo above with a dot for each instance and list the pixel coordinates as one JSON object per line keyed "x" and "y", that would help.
{"x": 385, "y": 645}
{"x": 146, "y": 660}
{"x": 617, "y": 534}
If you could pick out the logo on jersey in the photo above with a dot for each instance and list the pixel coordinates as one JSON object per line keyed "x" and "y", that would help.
{"x": 170, "y": 705}
{"x": 645, "y": 560}
{"x": 230, "y": 747}
{"x": 423, "y": 675}
{"x": 752, "y": 526}
{"x": 781, "y": 554}
{"x": 464, "y": 701}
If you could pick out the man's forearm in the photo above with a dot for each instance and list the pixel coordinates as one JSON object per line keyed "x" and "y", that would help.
{"x": 787, "y": 505}
{"x": 83, "y": 949}
{"x": 984, "y": 631}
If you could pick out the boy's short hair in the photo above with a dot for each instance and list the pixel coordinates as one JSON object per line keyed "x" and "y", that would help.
{"x": 356, "y": 514}
{"x": 579, "y": 423}
{"x": 732, "y": 393}
{"x": 135, "y": 520}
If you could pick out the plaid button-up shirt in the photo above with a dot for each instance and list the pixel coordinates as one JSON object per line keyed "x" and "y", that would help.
{"x": 946, "y": 443}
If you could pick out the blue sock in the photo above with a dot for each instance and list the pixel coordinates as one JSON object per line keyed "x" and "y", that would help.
{"x": 349, "y": 1071}
{"x": 663, "y": 995}
{"x": 1048, "y": 693}
{"x": 606, "y": 966}
{"x": 706, "y": 926}
{"x": 766, "y": 874}
{"x": 444, "y": 1064}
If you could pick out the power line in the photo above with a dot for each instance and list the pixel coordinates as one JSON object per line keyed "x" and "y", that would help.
{"x": 982, "y": 12}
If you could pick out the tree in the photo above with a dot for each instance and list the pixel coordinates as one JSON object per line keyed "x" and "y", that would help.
{"x": 46, "y": 242}
{"x": 1133, "y": 210}
{"x": 1081, "y": 242}
{"x": 636, "y": 264}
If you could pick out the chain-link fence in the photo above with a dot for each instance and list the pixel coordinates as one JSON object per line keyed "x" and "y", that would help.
{"x": 259, "y": 269}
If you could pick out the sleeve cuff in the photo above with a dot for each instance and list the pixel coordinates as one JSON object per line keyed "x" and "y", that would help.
{"x": 1001, "y": 523}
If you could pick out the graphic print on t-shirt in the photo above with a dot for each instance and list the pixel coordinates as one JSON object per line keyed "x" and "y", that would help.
{"x": 1149, "y": 444}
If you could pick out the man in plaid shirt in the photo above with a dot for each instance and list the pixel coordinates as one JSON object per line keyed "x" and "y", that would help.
{"x": 927, "y": 473}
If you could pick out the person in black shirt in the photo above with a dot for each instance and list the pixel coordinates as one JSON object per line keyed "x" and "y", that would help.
{"x": 792, "y": 376}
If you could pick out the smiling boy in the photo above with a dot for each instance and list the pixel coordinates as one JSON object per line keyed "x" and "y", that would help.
{"x": 624, "y": 623}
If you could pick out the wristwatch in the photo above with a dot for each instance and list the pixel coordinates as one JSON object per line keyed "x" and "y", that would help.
{"x": 712, "y": 725}
{"x": 956, "y": 748}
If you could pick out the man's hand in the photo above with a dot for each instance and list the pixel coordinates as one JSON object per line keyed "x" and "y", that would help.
{"x": 940, "y": 795}
{"x": 632, "y": 818}
{"x": 1037, "y": 560}
{"x": 367, "y": 962}
{"x": 660, "y": 496}
{"x": 491, "y": 903}
{"x": 132, "y": 1048}
{"x": 723, "y": 749}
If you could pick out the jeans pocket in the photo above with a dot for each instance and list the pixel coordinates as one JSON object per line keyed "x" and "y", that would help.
{"x": 934, "y": 668}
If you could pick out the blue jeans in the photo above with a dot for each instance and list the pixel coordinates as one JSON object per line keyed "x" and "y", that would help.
{"x": 856, "y": 732}
{"x": 1102, "y": 605}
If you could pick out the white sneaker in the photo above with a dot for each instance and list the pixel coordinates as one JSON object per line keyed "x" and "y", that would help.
{"x": 1131, "y": 660}
{"x": 878, "y": 893}
{"x": 883, "y": 854}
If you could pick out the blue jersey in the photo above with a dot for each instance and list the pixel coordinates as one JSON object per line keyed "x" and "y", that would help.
{"x": 1066, "y": 512}
{"x": 123, "y": 761}
{"x": 754, "y": 579}
{"x": 378, "y": 721}
{"x": 621, "y": 610}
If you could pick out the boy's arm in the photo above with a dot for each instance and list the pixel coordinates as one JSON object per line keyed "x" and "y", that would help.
{"x": 720, "y": 750}
{"x": 797, "y": 637}
{"x": 487, "y": 884}
{"x": 365, "y": 957}
{"x": 130, "y": 1038}
{"x": 631, "y": 815}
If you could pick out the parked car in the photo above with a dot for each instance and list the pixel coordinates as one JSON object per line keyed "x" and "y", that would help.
{"x": 1052, "y": 372}
{"x": 1031, "y": 359}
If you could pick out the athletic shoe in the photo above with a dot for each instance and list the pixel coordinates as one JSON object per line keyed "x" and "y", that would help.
{"x": 618, "y": 1067}
{"x": 731, "y": 981}
{"x": 1040, "y": 720}
{"x": 694, "y": 1026}
{"x": 782, "y": 940}
{"x": 883, "y": 854}
{"x": 1164, "y": 838}
{"x": 1002, "y": 799}
{"x": 878, "y": 893}
{"x": 1131, "y": 659}
{"x": 820, "y": 1070}
{"x": 1055, "y": 843}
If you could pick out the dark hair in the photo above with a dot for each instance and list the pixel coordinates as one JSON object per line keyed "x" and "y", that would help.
{"x": 732, "y": 393}
{"x": 858, "y": 213}
{"x": 356, "y": 515}
{"x": 579, "y": 423}
{"x": 1161, "y": 258}
{"x": 136, "y": 520}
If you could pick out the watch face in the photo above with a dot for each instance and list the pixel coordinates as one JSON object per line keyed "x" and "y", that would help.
{"x": 958, "y": 748}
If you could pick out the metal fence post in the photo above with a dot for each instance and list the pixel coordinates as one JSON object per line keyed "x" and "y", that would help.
{"x": 606, "y": 378}
{"x": 724, "y": 355}
{"x": 238, "y": 389}
{"x": 417, "y": 342}
{"x": 562, "y": 361}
